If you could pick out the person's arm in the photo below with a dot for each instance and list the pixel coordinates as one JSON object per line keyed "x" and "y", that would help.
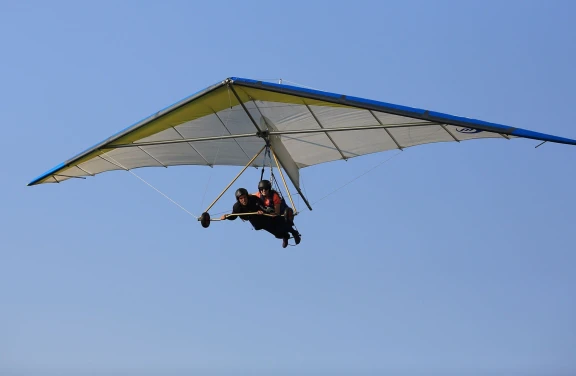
{"x": 260, "y": 208}
{"x": 277, "y": 203}
{"x": 231, "y": 217}
{"x": 259, "y": 205}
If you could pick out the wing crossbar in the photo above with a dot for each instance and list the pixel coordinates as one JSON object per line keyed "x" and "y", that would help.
{"x": 273, "y": 133}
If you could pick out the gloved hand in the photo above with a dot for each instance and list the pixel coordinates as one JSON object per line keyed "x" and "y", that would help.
{"x": 269, "y": 210}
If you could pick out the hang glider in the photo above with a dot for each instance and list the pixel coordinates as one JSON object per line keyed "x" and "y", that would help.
{"x": 231, "y": 122}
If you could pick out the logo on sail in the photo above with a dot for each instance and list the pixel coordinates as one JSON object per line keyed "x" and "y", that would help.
{"x": 467, "y": 130}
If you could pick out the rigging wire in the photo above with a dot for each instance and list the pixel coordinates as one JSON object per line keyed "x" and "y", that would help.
{"x": 143, "y": 180}
{"x": 158, "y": 190}
{"x": 356, "y": 178}
{"x": 218, "y": 150}
{"x": 304, "y": 86}
{"x": 282, "y": 80}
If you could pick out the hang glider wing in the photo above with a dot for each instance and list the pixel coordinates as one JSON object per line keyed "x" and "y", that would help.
{"x": 226, "y": 124}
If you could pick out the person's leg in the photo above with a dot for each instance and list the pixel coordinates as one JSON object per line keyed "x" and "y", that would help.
{"x": 277, "y": 227}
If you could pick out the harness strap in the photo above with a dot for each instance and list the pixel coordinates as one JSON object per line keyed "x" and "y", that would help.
{"x": 266, "y": 153}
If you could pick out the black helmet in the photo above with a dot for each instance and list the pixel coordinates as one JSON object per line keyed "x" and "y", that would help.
{"x": 264, "y": 184}
{"x": 241, "y": 192}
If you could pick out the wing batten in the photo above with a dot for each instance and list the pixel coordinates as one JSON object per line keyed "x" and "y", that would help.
{"x": 193, "y": 148}
{"x": 450, "y": 133}
{"x": 114, "y": 163}
{"x": 327, "y": 133}
{"x": 80, "y": 168}
{"x": 387, "y": 131}
{"x": 151, "y": 156}
{"x": 244, "y": 107}
{"x": 230, "y": 133}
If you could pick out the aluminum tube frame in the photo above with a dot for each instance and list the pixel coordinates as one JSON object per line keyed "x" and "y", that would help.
{"x": 236, "y": 178}
{"x": 295, "y": 186}
{"x": 273, "y": 133}
{"x": 284, "y": 180}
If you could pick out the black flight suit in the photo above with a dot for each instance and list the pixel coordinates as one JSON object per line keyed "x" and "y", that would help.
{"x": 274, "y": 225}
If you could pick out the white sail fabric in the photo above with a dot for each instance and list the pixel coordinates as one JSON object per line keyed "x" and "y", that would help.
{"x": 227, "y": 124}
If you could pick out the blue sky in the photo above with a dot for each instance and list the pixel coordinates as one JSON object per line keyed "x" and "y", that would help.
{"x": 448, "y": 259}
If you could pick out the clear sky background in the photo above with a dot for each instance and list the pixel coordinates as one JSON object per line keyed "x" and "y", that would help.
{"x": 448, "y": 259}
